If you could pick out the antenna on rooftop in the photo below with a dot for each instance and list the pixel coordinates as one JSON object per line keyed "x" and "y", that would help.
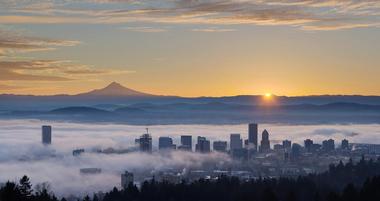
{"x": 147, "y": 130}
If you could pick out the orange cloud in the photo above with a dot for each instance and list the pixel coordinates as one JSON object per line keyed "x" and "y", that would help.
{"x": 11, "y": 42}
{"x": 300, "y": 13}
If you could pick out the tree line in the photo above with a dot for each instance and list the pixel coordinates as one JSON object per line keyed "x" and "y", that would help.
{"x": 342, "y": 182}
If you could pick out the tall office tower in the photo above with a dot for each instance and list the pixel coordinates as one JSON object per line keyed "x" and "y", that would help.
{"x": 186, "y": 142}
{"x": 235, "y": 142}
{"x": 287, "y": 144}
{"x": 220, "y": 146}
{"x": 345, "y": 145}
{"x": 246, "y": 143}
{"x": 308, "y": 145}
{"x": 165, "y": 143}
{"x": 328, "y": 145}
{"x": 126, "y": 179}
{"x": 296, "y": 151}
{"x": 278, "y": 147}
{"x": 145, "y": 143}
{"x": 203, "y": 145}
{"x": 253, "y": 135}
{"x": 265, "y": 143}
{"x": 46, "y": 135}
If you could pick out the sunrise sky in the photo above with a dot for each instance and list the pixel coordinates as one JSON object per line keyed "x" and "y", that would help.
{"x": 191, "y": 47}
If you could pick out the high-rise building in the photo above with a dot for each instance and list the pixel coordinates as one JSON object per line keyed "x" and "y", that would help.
{"x": 46, "y": 135}
{"x": 287, "y": 145}
{"x": 278, "y": 147}
{"x": 296, "y": 151}
{"x": 246, "y": 143}
{"x": 308, "y": 145}
{"x": 265, "y": 143}
{"x": 145, "y": 143}
{"x": 137, "y": 142}
{"x": 253, "y": 135}
{"x": 165, "y": 143}
{"x": 241, "y": 154}
{"x": 220, "y": 146}
{"x": 203, "y": 145}
{"x": 235, "y": 142}
{"x": 345, "y": 145}
{"x": 316, "y": 147}
{"x": 186, "y": 142}
{"x": 126, "y": 179}
{"x": 328, "y": 145}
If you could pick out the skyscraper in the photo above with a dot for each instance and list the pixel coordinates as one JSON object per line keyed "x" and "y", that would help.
{"x": 308, "y": 145}
{"x": 203, "y": 145}
{"x": 265, "y": 143}
{"x": 165, "y": 143}
{"x": 235, "y": 142}
{"x": 296, "y": 151}
{"x": 328, "y": 145}
{"x": 186, "y": 142}
{"x": 145, "y": 143}
{"x": 46, "y": 135}
{"x": 287, "y": 145}
{"x": 345, "y": 145}
{"x": 253, "y": 134}
{"x": 220, "y": 146}
{"x": 126, "y": 179}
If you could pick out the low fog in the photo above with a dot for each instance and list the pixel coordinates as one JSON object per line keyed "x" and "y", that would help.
{"x": 21, "y": 151}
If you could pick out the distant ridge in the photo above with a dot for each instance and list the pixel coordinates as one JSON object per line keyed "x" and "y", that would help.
{"x": 116, "y": 90}
{"x": 210, "y": 113}
{"x": 115, "y": 95}
{"x": 78, "y": 110}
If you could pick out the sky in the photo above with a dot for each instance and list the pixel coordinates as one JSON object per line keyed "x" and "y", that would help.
{"x": 191, "y": 47}
{"x": 21, "y": 150}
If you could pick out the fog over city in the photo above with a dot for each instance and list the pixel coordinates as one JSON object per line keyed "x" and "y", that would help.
{"x": 21, "y": 150}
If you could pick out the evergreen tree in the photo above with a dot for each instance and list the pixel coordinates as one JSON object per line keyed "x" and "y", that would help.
{"x": 95, "y": 198}
{"x": 269, "y": 195}
{"x": 350, "y": 193}
{"x": 86, "y": 198}
{"x": 10, "y": 192}
{"x": 25, "y": 188}
{"x": 291, "y": 196}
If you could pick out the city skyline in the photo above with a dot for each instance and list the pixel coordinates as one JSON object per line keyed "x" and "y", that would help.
{"x": 190, "y": 48}
{"x": 88, "y": 153}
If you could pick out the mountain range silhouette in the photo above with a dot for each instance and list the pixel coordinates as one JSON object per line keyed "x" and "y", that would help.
{"x": 115, "y": 89}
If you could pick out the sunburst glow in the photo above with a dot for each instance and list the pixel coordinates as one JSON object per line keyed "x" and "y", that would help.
{"x": 268, "y": 95}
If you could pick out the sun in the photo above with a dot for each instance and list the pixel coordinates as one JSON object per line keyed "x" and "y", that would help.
{"x": 268, "y": 95}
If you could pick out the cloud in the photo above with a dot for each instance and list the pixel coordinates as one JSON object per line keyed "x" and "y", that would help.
{"x": 21, "y": 151}
{"x": 11, "y": 42}
{"x": 333, "y": 27}
{"x": 213, "y": 29}
{"x": 10, "y": 87}
{"x": 307, "y": 14}
{"x": 28, "y": 70}
{"x": 331, "y": 132}
{"x": 50, "y": 70}
{"x": 145, "y": 29}
{"x": 84, "y": 72}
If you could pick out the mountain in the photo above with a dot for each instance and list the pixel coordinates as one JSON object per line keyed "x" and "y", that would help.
{"x": 211, "y": 113}
{"x": 116, "y": 90}
{"x": 79, "y": 110}
{"x": 115, "y": 96}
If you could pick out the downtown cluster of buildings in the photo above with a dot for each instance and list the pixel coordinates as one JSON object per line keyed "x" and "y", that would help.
{"x": 238, "y": 147}
{"x": 253, "y": 157}
{"x": 203, "y": 145}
